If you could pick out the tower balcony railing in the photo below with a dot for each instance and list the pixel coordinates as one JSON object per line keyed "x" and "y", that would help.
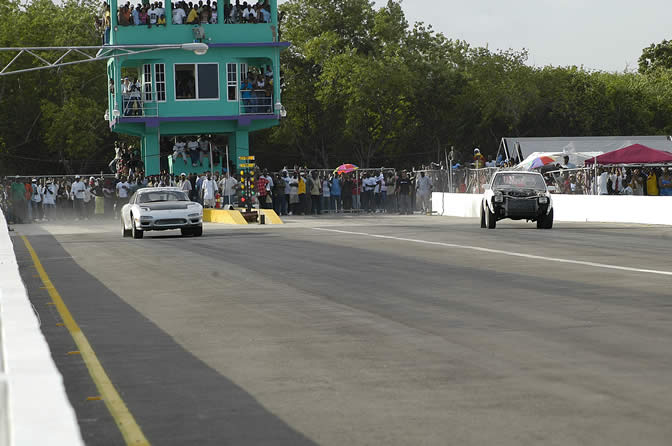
{"x": 136, "y": 105}
{"x": 255, "y": 102}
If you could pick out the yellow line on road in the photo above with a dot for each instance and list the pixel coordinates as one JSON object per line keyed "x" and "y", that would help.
{"x": 122, "y": 416}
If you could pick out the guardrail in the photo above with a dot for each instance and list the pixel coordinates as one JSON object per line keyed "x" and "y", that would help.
{"x": 34, "y": 408}
{"x": 572, "y": 208}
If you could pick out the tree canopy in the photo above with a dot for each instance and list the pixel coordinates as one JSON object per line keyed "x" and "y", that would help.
{"x": 360, "y": 84}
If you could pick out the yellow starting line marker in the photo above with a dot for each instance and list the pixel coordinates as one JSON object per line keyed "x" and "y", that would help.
{"x": 126, "y": 423}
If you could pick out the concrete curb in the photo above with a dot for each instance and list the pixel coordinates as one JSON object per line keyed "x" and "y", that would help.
{"x": 34, "y": 407}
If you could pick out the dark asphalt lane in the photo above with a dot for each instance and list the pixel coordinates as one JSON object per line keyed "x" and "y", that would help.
{"x": 294, "y": 335}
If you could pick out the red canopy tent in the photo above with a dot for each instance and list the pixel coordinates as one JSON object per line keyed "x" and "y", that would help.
{"x": 634, "y": 154}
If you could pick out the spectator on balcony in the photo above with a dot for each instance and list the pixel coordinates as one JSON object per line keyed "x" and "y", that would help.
{"x": 153, "y": 16}
{"x": 159, "y": 9}
{"x": 135, "y": 101}
{"x": 124, "y": 16}
{"x": 143, "y": 16}
{"x": 213, "y": 13}
{"x": 204, "y": 14}
{"x": 192, "y": 17}
{"x": 231, "y": 12}
{"x": 135, "y": 15}
{"x": 265, "y": 13}
{"x": 179, "y": 151}
{"x": 107, "y": 21}
{"x": 194, "y": 152}
{"x": 249, "y": 14}
{"x": 246, "y": 88}
{"x": 178, "y": 14}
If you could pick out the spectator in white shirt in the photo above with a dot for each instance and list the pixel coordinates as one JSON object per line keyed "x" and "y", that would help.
{"x": 49, "y": 200}
{"x": 209, "y": 190}
{"x": 602, "y": 183}
{"x": 228, "y": 186}
{"x": 566, "y": 164}
{"x": 184, "y": 184}
{"x": 153, "y": 16}
{"x": 178, "y": 14}
{"x": 424, "y": 188}
{"x": 77, "y": 192}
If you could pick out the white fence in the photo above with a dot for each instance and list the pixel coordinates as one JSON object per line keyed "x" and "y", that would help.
{"x": 573, "y": 208}
{"x": 34, "y": 408}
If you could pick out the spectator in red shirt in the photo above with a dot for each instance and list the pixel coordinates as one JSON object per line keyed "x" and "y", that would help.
{"x": 261, "y": 184}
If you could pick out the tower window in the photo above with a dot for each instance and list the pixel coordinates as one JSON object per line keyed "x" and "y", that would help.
{"x": 196, "y": 81}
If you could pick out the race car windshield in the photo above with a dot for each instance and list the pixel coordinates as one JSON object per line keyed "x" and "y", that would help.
{"x": 521, "y": 180}
{"x": 151, "y": 197}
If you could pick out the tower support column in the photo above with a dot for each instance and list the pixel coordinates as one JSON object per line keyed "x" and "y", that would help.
{"x": 150, "y": 150}
{"x": 239, "y": 145}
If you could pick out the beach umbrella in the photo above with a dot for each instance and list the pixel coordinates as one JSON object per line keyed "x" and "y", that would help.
{"x": 541, "y": 161}
{"x": 345, "y": 168}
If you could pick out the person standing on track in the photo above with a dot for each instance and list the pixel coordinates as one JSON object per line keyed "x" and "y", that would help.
{"x": 123, "y": 187}
{"x": 18, "y": 198}
{"x": 185, "y": 184}
{"x": 424, "y": 188}
{"x": 209, "y": 190}
{"x": 77, "y": 192}
{"x": 403, "y": 188}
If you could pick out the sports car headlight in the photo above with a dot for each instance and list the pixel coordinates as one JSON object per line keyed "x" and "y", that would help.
{"x": 194, "y": 215}
{"x": 498, "y": 198}
{"x": 144, "y": 209}
{"x": 543, "y": 199}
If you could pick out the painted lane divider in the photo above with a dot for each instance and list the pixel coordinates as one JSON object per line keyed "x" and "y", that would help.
{"x": 506, "y": 253}
{"x": 125, "y": 421}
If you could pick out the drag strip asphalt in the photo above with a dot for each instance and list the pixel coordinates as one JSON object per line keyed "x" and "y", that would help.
{"x": 368, "y": 330}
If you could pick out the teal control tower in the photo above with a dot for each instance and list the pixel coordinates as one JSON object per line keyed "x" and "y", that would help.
{"x": 220, "y": 78}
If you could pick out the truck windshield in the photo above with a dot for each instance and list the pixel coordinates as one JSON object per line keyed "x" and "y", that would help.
{"x": 522, "y": 180}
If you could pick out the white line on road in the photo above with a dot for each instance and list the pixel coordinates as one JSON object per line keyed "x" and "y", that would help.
{"x": 506, "y": 253}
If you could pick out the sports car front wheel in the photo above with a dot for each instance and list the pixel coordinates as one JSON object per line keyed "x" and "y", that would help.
{"x": 124, "y": 232}
{"x": 135, "y": 232}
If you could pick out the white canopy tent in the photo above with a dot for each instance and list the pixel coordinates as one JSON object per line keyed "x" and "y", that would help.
{"x": 577, "y": 158}
{"x": 516, "y": 148}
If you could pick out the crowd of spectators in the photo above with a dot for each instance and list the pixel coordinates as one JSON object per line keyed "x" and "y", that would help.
{"x": 183, "y": 12}
{"x": 305, "y": 192}
{"x": 127, "y": 160}
{"x": 295, "y": 192}
{"x": 197, "y": 148}
{"x": 652, "y": 181}
{"x": 256, "y": 91}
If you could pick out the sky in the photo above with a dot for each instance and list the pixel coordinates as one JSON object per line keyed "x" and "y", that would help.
{"x": 598, "y": 34}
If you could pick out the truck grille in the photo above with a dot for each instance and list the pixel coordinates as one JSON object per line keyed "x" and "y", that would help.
{"x": 524, "y": 206}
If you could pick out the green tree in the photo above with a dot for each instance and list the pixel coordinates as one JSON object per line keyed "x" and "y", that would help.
{"x": 655, "y": 56}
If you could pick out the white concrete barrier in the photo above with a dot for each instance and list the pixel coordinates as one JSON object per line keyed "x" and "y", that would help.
{"x": 573, "y": 208}
{"x": 34, "y": 408}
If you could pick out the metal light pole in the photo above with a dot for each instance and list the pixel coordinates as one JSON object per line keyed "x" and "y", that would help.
{"x": 85, "y": 54}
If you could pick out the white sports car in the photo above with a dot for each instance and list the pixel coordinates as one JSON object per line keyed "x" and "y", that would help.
{"x": 517, "y": 195}
{"x": 158, "y": 209}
